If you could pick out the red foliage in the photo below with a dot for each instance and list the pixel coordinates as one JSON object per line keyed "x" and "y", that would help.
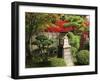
{"x": 60, "y": 27}
{"x": 70, "y": 28}
{"x": 60, "y": 23}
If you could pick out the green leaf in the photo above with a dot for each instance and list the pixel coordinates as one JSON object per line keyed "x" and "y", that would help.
{"x": 72, "y": 24}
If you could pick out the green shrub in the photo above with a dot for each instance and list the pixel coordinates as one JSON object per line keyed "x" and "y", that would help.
{"x": 74, "y": 53}
{"x": 74, "y": 40}
{"x": 52, "y": 62}
{"x": 83, "y": 57}
{"x": 53, "y": 51}
{"x": 57, "y": 62}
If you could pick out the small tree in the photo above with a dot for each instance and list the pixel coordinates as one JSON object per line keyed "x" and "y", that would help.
{"x": 34, "y": 23}
{"x": 43, "y": 43}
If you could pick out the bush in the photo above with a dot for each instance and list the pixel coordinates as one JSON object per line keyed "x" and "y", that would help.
{"x": 57, "y": 62}
{"x": 74, "y": 53}
{"x": 74, "y": 40}
{"x": 53, "y": 51}
{"x": 52, "y": 62}
{"x": 83, "y": 57}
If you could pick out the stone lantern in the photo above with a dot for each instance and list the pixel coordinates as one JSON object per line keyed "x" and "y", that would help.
{"x": 65, "y": 51}
{"x": 63, "y": 45}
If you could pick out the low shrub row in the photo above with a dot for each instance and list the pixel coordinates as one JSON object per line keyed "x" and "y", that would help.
{"x": 52, "y": 62}
{"x": 81, "y": 57}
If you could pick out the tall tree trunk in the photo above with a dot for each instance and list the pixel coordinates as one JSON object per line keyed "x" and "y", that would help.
{"x": 29, "y": 50}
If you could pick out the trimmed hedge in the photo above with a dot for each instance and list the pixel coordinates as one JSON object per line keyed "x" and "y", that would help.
{"x": 54, "y": 62}
{"x": 74, "y": 54}
{"x": 83, "y": 57}
{"x": 73, "y": 51}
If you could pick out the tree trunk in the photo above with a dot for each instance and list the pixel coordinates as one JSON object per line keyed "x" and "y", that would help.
{"x": 28, "y": 50}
